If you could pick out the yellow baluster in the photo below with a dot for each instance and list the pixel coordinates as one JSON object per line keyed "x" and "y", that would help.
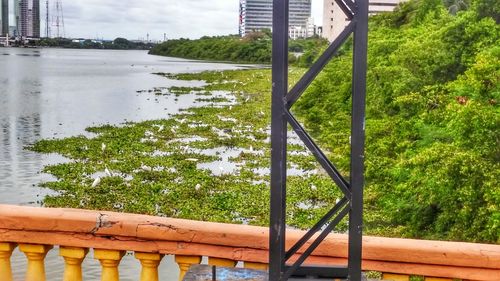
{"x": 395, "y": 277}
{"x": 185, "y": 262}
{"x": 256, "y": 265}
{"x": 109, "y": 260}
{"x": 221, "y": 262}
{"x": 5, "y": 254}
{"x": 150, "y": 263}
{"x": 73, "y": 258}
{"x": 36, "y": 255}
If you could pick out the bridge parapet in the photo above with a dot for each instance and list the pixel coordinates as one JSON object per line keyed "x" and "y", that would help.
{"x": 37, "y": 230}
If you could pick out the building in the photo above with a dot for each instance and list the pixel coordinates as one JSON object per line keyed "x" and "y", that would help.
{"x": 256, "y": 15}
{"x": 334, "y": 20}
{"x": 4, "y": 17}
{"x": 28, "y": 18}
{"x": 299, "y": 31}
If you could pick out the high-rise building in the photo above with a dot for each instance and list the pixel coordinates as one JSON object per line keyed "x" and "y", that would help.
{"x": 334, "y": 19}
{"x": 4, "y": 17}
{"x": 28, "y": 18}
{"x": 256, "y": 15}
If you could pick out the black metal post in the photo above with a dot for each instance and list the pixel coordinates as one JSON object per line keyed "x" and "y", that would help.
{"x": 278, "y": 140}
{"x": 282, "y": 101}
{"x": 358, "y": 139}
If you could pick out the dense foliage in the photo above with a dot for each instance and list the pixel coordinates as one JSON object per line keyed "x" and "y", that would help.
{"x": 117, "y": 44}
{"x": 433, "y": 122}
{"x": 433, "y": 138}
{"x": 253, "y": 48}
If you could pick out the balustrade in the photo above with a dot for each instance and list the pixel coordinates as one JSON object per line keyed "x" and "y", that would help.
{"x": 36, "y": 231}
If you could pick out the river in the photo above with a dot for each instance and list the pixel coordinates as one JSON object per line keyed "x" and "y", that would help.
{"x": 55, "y": 93}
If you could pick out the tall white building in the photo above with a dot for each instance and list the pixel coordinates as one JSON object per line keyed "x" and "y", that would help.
{"x": 256, "y": 15}
{"x": 4, "y": 17}
{"x": 28, "y": 18}
{"x": 334, "y": 20}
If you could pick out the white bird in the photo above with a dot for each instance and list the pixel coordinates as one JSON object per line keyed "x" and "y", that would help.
{"x": 108, "y": 172}
{"x": 313, "y": 187}
{"x": 197, "y": 187}
{"x": 251, "y": 148}
{"x": 103, "y": 147}
{"x": 146, "y": 168}
{"x": 172, "y": 130}
{"x": 96, "y": 182}
{"x": 161, "y": 128}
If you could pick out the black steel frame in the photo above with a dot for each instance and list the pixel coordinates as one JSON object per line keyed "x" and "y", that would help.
{"x": 282, "y": 100}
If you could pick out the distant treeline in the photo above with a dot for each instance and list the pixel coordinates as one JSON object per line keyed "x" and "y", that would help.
{"x": 117, "y": 44}
{"x": 254, "y": 48}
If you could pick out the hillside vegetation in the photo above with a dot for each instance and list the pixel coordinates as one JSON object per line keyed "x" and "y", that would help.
{"x": 254, "y": 48}
{"x": 433, "y": 122}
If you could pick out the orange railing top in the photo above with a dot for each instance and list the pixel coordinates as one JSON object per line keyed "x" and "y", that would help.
{"x": 110, "y": 230}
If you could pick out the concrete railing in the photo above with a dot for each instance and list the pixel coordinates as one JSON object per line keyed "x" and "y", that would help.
{"x": 111, "y": 235}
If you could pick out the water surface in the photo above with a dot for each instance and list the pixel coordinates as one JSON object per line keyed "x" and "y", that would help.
{"x": 56, "y": 93}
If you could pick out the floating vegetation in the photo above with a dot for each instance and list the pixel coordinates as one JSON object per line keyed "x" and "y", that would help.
{"x": 176, "y": 90}
{"x": 206, "y": 163}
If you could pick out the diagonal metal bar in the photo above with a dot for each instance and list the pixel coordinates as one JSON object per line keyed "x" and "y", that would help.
{"x": 320, "y": 156}
{"x": 316, "y": 242}
{"x": 316, "y": 228}
{"x": 316, "y": 68}
{"x": 348, "y": 7}
{"x": 352, "y": 6}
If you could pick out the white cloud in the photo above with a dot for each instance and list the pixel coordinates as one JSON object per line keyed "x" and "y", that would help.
{"x": 134, "y": 19}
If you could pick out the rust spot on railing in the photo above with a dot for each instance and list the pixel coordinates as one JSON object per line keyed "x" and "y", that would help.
{"x": 102, "y": 222}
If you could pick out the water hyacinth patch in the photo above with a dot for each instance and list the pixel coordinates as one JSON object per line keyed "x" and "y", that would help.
{"x": 206, "y": 163}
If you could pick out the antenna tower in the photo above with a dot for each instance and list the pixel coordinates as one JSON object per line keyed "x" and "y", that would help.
{"x": 58, "y": 19}
{"x": 47, "y": 17}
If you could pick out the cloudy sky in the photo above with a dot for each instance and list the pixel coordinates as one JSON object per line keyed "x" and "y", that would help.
{"x": 133, "y": 19}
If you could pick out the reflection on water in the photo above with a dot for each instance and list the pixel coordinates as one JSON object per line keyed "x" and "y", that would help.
{"x": 129, "y": 267}
{"x": 54, "y": 93}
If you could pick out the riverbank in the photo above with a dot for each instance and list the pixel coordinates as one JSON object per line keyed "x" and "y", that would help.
{"x": 253, "y": 48}
{"x": 208, "y": 162}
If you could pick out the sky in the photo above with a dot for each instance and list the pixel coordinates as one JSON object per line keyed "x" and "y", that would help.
{"x": 133, "y": 19}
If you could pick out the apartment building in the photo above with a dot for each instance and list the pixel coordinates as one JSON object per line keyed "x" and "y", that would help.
{"x": 334, "y": 20}
{"x": 256, "y": 15}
